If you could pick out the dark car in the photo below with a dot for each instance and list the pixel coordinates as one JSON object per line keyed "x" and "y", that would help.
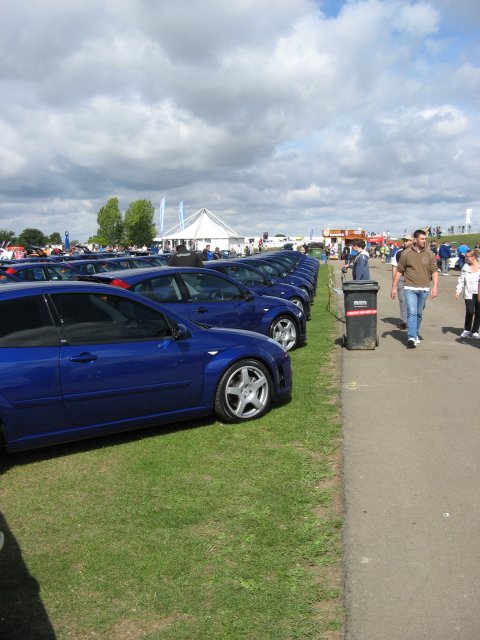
{"x": 38, "y": 271}
{"x": 275, "y": 271}
{"x": 214, "y": 299}
{"x": 255, "y": 280}
{"x": 81, "y": 359}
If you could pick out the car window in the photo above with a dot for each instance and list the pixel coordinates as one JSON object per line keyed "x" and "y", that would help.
{"x": 32, "y": 274}
{"x": 248, "y": 277}
{"x": 60, "y": 272}
{"x": 105, "y": 318}
{"x": 160, "y": 288}
{"x": 4, "y": 279}
{"x": 26, "y": 322}
{"x": 117, "y": 264}
{"x": 86, "y": 268}
{"x": 204, "y": 287}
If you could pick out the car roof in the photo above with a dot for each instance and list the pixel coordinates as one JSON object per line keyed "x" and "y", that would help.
{"x": 51, "y": 284}
{"x": 131, "y": 273}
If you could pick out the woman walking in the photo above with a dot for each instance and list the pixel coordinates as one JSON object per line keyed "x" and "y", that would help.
{"x": 468, "y": 281}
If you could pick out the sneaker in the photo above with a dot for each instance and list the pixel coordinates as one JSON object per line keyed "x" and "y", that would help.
{"x": 411, "y": 343}
{"x": 417, "y": 340}
{"x": 476, "y": 335}
{"x": 466, "y": 334}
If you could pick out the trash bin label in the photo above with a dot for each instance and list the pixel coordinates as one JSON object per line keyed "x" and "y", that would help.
{"x": 362, "y": 312}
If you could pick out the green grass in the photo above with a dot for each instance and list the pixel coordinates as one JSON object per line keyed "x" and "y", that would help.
{"x": 198, "y": 531}
{"x": 468, "y": 238}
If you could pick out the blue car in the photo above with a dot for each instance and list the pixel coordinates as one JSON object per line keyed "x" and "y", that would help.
{"x": 81, "y": 359}
{"x": 7, "y": 278}
{"x": 276, "y": 272}
{"x": 253, "y": 278}
{"x": 202, "y": 295}
{"x": 37, "y": 271}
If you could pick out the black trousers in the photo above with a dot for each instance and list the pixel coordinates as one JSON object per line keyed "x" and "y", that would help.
{"x": 472, "y": 314}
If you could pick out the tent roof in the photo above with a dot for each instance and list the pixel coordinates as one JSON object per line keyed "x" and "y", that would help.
{"x": 200, "y": 225}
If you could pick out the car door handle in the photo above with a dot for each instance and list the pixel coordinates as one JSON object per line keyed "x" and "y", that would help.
{"x": 201, "y": 310}
{"x": 83, "y": 357}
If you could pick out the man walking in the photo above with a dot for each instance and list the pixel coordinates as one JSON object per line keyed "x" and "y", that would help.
{"x": 418, "y": 265}
{"x": 445, "y": 255}
{"x": 359, "y": 266}
{"x": 406, "y": 243}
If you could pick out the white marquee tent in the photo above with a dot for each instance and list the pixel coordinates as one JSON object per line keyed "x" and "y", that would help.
{"x": 200, "y": 229}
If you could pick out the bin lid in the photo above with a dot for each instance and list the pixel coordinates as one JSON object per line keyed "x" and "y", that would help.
{"x": 360, "y": 285}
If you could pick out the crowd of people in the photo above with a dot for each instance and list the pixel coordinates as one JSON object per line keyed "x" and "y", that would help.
{"x": 415, "y": 275}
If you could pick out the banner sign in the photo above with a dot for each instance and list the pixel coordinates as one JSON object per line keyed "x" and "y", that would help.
{"x": 180, "y": 215}
{"x": 162, "y": 214}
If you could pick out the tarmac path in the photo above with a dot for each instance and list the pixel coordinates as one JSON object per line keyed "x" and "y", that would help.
{"x": 412, "y": 475}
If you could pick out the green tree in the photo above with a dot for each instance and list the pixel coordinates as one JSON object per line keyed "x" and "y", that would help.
{"x": 7, "y": 236}
{"x": 32, "y": 237}
{"x": 110, "y": 223}
{"x": 139, "y": 227}
{"x": 55, "y": 238}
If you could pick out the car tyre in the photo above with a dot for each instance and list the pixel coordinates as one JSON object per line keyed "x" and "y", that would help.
{"x": 244, "y": 392}
{"x": 284, "y": 331}
{"x": 299, "y": 303}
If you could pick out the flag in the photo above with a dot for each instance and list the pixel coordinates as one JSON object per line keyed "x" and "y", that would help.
{"x": 162, "y": 214}
{"x": 67, "y": 240}
{"x": 468, "y": 216}
{"x": 180, "y": 215}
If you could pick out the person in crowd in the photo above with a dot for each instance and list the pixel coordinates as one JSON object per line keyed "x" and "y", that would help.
{"x": 462, "y": 250}
{"x": 185, "y": 258}
{"x": 207, "y": 253}
{"x": 217, "y": 254}
{"x": 406, "y": 243}
{"x": 418, "y": 265}
{"x": 445, "y": 254}
{"x": 359, "y": 263}
{"x": 468, "y": 282}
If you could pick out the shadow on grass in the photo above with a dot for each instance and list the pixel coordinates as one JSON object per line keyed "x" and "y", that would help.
{"x": 89, "y": 444}
{"x": 22, "y": 614}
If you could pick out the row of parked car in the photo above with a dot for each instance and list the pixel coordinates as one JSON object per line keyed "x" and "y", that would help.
{"x": 96, "y": 345}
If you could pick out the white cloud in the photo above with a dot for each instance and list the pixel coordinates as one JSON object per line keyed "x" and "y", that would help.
{"x": 273, "y": 119}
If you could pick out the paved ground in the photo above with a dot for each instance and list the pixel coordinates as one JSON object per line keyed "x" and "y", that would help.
{"x": 412, "y": 476}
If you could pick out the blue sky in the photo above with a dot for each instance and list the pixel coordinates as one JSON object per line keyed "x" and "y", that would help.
{"x": 280, "y": 117}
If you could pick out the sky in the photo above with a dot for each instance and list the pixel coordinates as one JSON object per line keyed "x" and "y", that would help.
{"x": 288, "y": 117}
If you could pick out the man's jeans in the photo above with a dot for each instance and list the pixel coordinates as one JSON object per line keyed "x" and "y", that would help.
{"x": 415, "y": 299}
{"x": 445, "y": 265}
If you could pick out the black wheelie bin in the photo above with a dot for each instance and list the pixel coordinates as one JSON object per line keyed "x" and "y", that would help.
{"x": 360, "y": 314}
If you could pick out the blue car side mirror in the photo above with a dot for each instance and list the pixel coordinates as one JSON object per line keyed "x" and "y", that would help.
{"x": 179, "y": 331}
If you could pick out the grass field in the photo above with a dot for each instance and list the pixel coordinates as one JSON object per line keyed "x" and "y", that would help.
{"x": 195, "y": 531}
{"x": 469, "y": 238}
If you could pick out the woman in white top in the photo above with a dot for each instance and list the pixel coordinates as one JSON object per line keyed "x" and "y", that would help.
{"x": 468, "y": 281}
